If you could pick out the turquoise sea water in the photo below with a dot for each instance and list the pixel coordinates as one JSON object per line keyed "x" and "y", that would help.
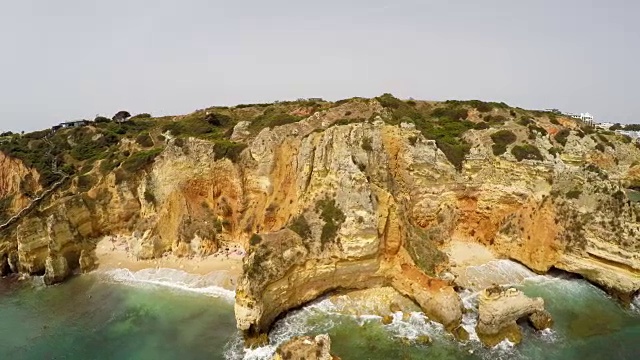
{"x": 112, "y": 317}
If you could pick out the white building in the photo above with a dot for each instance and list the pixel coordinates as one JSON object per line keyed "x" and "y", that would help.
{"x": 631, "y": 134}
{"x": 585, "y": 117}
{"x": 604, "y": 125}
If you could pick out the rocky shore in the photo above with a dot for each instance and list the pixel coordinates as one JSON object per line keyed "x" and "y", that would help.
{"x": 352, "y": 195}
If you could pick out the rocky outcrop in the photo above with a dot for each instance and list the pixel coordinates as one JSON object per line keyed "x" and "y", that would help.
{"x": 305, "y": 348}
{"x": 349, "y": 232}
{"x": 56, "y": 270}
{"x": 17, "y": 184}
{"x": 541, "y": 320}
{"x": 498, "y": 311}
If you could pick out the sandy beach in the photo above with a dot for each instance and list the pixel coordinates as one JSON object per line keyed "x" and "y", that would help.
{"x": 112, "y": 254}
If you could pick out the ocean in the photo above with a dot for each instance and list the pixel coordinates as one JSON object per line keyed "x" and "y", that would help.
{"x": 169, "y": 314}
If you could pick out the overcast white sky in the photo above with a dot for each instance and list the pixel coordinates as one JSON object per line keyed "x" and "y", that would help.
{"x": 69, "y": 59}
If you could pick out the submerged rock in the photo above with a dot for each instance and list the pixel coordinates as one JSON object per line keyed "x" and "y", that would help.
{"x": 305, "y": 348}
{"x": 499, "y": 310}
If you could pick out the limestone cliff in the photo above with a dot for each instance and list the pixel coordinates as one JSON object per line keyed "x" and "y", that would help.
{"x": 335, "y": 196}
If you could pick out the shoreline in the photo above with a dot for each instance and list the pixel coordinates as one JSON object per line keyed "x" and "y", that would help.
{"x": 112, "y": 254}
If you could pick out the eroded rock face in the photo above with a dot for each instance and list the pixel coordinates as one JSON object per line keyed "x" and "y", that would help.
{"x": 305, "y": 348}
{"x": 499, "y": 310}
{"x": 348, "y": 233}
{"x": 363, "y": 204}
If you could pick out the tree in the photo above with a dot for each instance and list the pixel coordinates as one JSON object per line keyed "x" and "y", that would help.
{"x": 616, "y": 126}
{"x": 101, "y": 119}
{"x": 121, "y": 115}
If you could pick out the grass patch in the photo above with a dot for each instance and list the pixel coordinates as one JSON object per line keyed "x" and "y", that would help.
{"x": 144, "y": 140}
{"x": 300, "y": 226}
{"x": 333, "y": 217}
{"x": 228, "y": 149}
{"x": 271, "y": 118}
{"x": 140, "y": 160}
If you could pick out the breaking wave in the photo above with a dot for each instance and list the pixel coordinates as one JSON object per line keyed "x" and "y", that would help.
{"x": 210, "y": 284}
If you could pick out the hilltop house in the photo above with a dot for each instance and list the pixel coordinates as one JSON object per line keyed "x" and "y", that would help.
{"x": 70, "y": 124}
{"x": 585, "y": 117}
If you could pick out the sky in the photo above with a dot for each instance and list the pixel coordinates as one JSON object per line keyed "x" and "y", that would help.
{"x": 70, "y": 59}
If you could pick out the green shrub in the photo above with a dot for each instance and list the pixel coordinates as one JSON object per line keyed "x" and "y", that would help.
{"x": 503, "y": 137}
{"x": 85, "y": 183}
{"x": 498, "y": 149}
{"x": 600, "y": 147}
{"x": 255, "y": 239}
{"x": 561, "y": 136}
{"x": 574, "y": 194}
{"x": 481, "y": 125}
{"x": 101, "y": 119}
{"x": 450, "y": 113}
{"x": 140, "y": 160}
{"x": 455, "y": 153}
{"x": 526, "y": 151}
{"x": 344, "y": 121}
{"x": 555, "y": 151}
{"x": 228, "y": 149}
{"x": 272, "y": 118}
{"x": 389, "y": 101}
{"x": 525, "y": 121}
{"x": 587, "y": 130}
{"x": 144, "y": 140}
{"x": 301, "y": 227}
{"x": 481, "y": 106}
{"x": 536, "y": 128}
{"x": 141, "y": 116}
{"x": 196, "y": 127}
{"x": 606, "y": 141}
{"x": 553, "y": 119}
{"x": 495, "y": 119}
{"x": 107, "y": 165}
{"x": 217, "y": 119}
{"x": 632, "y": 127}
{"x": 501, "y": 140}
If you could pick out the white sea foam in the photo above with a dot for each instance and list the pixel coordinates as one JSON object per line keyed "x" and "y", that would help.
{"x": 495, "y": 272}
{"x": 635, "y": 304}
{"x": 210, "y": 284}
